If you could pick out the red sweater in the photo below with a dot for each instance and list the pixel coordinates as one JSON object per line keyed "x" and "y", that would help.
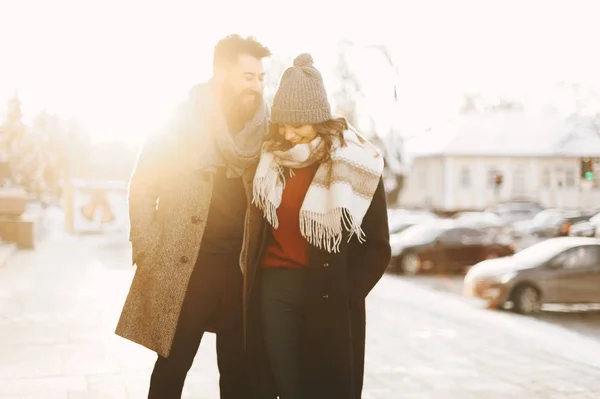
{"x": 287, "y": 247}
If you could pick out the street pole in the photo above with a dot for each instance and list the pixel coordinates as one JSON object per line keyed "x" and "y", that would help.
{"x": 497, "y": 194}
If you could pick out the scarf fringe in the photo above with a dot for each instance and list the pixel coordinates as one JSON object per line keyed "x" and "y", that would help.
{"x": 325, "y": 231}
{"x": 262, "y": 185}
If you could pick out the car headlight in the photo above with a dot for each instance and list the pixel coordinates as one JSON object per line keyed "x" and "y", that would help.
{"x": 504, "y": 278}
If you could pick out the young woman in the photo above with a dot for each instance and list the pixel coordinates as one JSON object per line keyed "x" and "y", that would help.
{"x": 319, "y": 186}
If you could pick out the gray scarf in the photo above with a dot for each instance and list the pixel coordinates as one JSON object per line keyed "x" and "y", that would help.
{"x": 237, "y": 152}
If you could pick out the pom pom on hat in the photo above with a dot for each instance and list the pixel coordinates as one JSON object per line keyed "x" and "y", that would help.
{"x": 304, "y": 60}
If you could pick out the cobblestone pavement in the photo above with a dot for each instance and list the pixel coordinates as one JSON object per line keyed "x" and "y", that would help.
{"x": 59, "y": 305}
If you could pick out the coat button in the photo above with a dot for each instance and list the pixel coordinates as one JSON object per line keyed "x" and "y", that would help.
{"x": 183, "y": 259}
{"x": 325, "y": 264}
{"x": 325, "y": 296}
{"x": 195, "y": 219}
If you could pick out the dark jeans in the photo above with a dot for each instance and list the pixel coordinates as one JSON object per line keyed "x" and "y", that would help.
{"x": 282, "y": 293}
{"x": 213, "y": 300}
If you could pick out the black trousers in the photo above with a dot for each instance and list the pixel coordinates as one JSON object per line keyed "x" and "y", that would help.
{"x": 213, "y": 301}
{"x": 283, "y": 313}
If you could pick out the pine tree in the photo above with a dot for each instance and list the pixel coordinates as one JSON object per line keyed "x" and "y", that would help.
{"x": 13, "y": 128}
{"x": 21, "y": 150}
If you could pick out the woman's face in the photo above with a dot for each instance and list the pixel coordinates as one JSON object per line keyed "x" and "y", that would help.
{"x": 298, "y": 134}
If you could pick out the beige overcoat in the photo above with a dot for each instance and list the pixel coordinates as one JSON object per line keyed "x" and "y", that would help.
{"x": 169, "y": 196}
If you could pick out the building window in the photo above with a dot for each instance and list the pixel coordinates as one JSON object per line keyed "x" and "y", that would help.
{"x": 571, "y": 178}
{"x": 518, "y": 183}
{"x": 560, "y": 178}
{"x": 465, "y": 177}
{"x": 546, "y": 177}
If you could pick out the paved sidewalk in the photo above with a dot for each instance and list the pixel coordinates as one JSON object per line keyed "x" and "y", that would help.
{"x": 59, "y": 306}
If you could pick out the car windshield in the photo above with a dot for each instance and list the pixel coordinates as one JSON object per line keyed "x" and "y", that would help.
{"x": 518, "y": 206}
{"x": 479, "y": 218}
{"x": 516, "y": 212}
{"x": 541, "y": 252}
{"x": 421, "y": 233}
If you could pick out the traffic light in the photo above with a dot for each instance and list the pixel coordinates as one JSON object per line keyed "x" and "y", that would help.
{"x": 587, "y": 169}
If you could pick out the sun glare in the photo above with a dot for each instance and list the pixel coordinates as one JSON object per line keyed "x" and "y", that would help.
{"x": 119, "y": 67}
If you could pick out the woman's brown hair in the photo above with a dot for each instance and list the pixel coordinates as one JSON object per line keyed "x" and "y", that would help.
{"x": 326, "y": 130}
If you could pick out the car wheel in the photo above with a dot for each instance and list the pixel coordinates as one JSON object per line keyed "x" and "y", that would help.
{"x": 410, "y": 264}
{"x": 526, "y": 300}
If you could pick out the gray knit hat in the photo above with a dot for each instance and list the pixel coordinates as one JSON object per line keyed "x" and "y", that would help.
{"x": 301, "y": 98}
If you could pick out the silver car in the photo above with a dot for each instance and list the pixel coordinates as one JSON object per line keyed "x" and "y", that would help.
{"x": 558, "y": 270}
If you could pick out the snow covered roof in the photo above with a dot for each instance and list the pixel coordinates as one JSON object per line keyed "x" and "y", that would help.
{"x": 509, "y": 134}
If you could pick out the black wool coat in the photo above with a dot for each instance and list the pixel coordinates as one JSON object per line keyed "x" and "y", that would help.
{"x": 334, "y": 332}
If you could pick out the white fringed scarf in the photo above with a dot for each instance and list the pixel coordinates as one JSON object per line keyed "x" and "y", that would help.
{"x": 339, "y": 194}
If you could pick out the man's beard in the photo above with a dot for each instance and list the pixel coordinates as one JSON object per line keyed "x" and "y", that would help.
{"x": 241, "y": 107}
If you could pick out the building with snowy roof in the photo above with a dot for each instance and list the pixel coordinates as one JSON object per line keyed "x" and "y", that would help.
{"x": 453, "y": 166}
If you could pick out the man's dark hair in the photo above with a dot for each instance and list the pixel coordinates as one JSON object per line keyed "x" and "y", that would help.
{"x": 229, "y": 48}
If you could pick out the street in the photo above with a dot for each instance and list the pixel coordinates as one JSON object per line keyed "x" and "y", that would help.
{"x": 475, "y": 127}
{"x": 59, "y": 305}
{"x": 584, "y": 319}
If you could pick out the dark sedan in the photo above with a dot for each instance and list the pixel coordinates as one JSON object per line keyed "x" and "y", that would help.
{"x": 558, "y": 270}
{"x": 443, "y": 245}
{"x": 552, "y": 223}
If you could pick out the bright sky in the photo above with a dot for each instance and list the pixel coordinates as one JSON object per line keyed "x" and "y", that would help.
{"x": 119, "y": 65}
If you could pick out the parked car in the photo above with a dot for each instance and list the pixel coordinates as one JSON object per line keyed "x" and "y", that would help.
{"x": 557, "y": 270}
{"x": 487, "y": 221}
{"x": 516, "y": 210}
{"x": 586, "y": 228}
{"x": 521, "y": 229}
{"x": 555, "y": 222}
{"x": 401, "y": 219}
{"x": 443, "y": 244}
{"x": 479, "y": 219}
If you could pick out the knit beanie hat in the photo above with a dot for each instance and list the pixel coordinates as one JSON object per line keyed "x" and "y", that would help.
{"x": 301, "y": 98}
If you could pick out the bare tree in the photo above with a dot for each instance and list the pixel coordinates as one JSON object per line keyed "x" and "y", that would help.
{"x": 349, "y": 88}
{"x": 390, "y": 143}
{"x": 276, "y": 67}
{"x": 504, "y": 104}
{"x": 23, "y": 150}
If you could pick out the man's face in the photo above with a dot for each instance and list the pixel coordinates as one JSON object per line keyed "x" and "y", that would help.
{"x": 243, "y": 85}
